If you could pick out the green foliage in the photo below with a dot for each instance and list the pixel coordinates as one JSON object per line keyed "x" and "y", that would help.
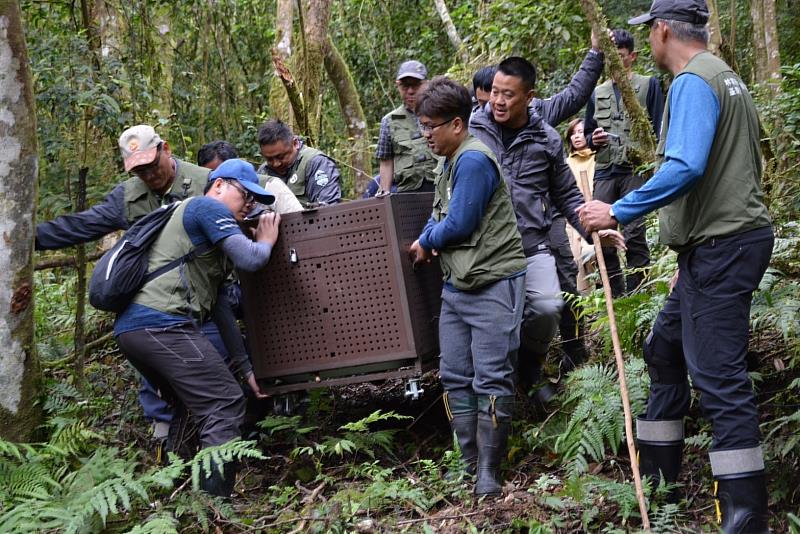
{"x": 777, "y": 306}
{"x": 158, "y": 524}
{"x": 781, "y": 120}
{"x": 591, "y": 418}
{"x": 357, "y": 438}
{"x": 215, "y": 457}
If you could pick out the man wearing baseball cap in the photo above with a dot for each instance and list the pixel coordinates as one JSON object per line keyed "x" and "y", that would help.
{"x": 405, "y": 159}
{"x": 712, "y": 214}
{"x": 159, "y": 332}
{"x": 157, "y": 178}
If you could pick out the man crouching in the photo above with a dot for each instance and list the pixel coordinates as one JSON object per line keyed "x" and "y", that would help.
{"x": 473, "y": 229}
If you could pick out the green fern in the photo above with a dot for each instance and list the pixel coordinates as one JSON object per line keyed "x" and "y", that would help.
{"x": 215, "y": 457}
{"x": 595, "y": 422}
{"x": 160, "y": 524}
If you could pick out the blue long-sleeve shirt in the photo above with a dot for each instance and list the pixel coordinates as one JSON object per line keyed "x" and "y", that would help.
{"x": 474, "y": 180}
{"x": 694, "y": 112}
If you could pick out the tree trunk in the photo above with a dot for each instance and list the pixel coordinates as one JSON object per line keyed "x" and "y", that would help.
{"x": 641, "y": 128}
{"x": 450, "y": 28}
{"x": 772, "y": 47}
{"x": 715, "y": 33}
{"x": 19, "y": 366}
{"x": 278, "y": 99}
{"x": 353, "y": 114}
{"x": 315, "y": 17}
{"x": 293, "y": 93}
{"x": 759, "y": 46}
{"x": 166, "y": 59}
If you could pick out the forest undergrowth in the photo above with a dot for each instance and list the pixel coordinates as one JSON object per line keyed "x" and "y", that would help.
{"x": 363, "y": 458}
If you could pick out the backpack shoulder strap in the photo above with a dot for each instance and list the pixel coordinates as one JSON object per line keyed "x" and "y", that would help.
{"x": 189, "y": 256}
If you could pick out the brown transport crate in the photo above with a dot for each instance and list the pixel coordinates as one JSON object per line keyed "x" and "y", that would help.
{"x": 339, "y": 302}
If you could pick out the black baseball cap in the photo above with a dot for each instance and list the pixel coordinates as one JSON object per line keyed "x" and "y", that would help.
{"x": 693, "y": 11}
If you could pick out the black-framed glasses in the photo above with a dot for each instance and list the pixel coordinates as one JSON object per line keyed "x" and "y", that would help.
{"x": 429, "y": 128}
{"x": 146, "y": 171}
{"x": 249, "y": 198}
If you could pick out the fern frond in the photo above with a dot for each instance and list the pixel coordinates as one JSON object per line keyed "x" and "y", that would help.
{"x": 220, "y": 455}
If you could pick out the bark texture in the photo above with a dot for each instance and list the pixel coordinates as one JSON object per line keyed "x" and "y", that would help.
{"x": 772, "y": 46}
{"x": 759, "y": 46}
{"x": 450, "y": 29}
{"x": 641, "y": 129}
{"x": 19, "y": 366}
{"x": 315, "y": 19}
{"x": 278, "y": 98}
{"x": 353, "y": 114}
{"x": 715, "y": 33}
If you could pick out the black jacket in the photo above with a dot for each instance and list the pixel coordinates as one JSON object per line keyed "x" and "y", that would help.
{"x": 535, "y": 171}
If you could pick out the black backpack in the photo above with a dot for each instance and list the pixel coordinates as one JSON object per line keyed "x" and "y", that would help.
{"x": 122, "y": 270}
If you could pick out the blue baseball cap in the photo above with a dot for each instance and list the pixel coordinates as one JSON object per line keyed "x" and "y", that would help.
{"x": 243, "y": 172}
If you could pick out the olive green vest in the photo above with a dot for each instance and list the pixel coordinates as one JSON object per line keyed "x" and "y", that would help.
{"x": 414, "y": 162}
{"x": 190, "y": 181}
{"x": 612, "y": 117}
{"x": 493, "y": 251}
{"x": 727, "y": 199}
{"x": 297, "y": 172}
{"x": 198, "y": 279}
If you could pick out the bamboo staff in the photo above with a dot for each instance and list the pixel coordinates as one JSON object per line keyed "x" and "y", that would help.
{"x": 623, "y": 385}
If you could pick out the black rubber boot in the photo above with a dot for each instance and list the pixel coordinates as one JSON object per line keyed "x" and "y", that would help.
{"x": 742, "y": 504}
{"x": 494, "y": 426}
{"x": 462, "y": 411}
{"x": 573, "y": 347}
{"x": 661, "y": 460}
{"x": 219, "y": 484}
{"x": 529, "y": 370}
{"x": 659, "y": 456}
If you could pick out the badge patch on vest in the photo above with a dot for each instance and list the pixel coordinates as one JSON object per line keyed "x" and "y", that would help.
{"x": 321, "y": 178}
{"x": 293, "y": 179}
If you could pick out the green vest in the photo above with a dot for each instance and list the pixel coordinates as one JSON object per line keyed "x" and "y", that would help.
{"x": 297, "y": 172}
{"x": 612, "y": 117}
{"x": 202, "y": 276}
{"x": 727, "y": 199}
{"x": 190, "y": 181}
{"x": 493, "y": 251}
{"x": 414, "y": 162}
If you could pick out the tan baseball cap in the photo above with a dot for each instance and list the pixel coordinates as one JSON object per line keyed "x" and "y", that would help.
{"x": 139, "y": 145}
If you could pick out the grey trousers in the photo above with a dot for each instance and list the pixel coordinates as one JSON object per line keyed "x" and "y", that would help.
{"x": 543, "y": 304}
{"x": 181, "y": 362}
{"x": 479, "y": 337}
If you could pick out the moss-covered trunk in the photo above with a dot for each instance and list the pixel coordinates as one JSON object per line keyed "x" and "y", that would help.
{"x": 278, "y": 99}
{"x": 19, "y": 366}
{"x": 641, "y": 128}
{"x": 315, "y": 17}
{"x": 353, "y": 114}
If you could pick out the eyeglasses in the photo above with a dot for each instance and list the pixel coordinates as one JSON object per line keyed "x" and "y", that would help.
{"x": 429, "y": 128}
{"x": 147, "y": 171}
{"x": 249, "y": 198}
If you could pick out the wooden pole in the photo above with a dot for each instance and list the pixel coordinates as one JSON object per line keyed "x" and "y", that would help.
{"x": 623, "y": 385}
{"x": 80, "y": 302}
